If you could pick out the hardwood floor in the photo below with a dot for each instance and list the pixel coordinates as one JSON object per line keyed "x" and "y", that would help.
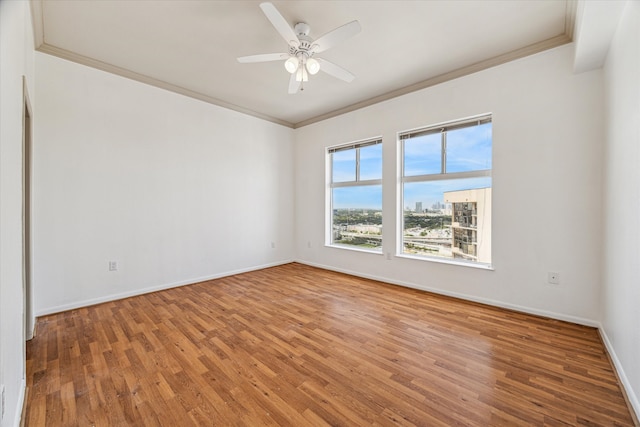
{"x": 297, "y": 346}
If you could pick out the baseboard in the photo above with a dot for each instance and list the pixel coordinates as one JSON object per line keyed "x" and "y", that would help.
{"x": 31, "y": 332}
{"x": 631, "y": 397}
{"x": 114, "y": 297}
{"x": 466, "y": 297}
{"x": 20, "y": 405}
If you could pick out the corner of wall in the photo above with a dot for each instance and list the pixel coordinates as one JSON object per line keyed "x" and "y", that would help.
{"x": 618, "y": 368}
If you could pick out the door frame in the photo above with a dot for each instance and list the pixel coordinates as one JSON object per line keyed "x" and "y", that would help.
{"x": 28, "y": 319}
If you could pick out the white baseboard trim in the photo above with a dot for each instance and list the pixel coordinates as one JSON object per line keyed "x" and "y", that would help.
{"x": 32, "y": 328}
{"x": 488, "y": 301}
{"x": 113, "y": 297}
{"x": 632, "y": 398}
{"x": 18, "y": 418}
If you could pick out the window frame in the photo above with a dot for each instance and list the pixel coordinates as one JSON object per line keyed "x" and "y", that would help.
{"x": 443, "y": 129}
{"x": 355, "y": 183}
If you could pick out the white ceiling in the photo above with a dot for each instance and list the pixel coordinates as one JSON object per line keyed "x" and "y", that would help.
{"x": 191, "y": 46}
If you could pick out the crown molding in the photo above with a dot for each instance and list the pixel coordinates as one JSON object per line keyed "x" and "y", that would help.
{"x": 570, "y": 18}
{"x": 37, "y": 22}
{"x": 455, "y": 74}
{"x": 42, "y": 46}
{"x": 123, "y": 72}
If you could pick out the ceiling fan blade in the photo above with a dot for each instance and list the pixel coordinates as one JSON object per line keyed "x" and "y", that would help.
{"x": 336, "y": 36}
{"x": 265, "y": 57}
{"x": 280, "y": 24}
{"x": 335, "y": 70}
{"x": 294, "y": 85}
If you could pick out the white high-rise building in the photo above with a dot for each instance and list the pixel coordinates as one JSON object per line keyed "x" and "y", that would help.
{"x": 470, "y": 224}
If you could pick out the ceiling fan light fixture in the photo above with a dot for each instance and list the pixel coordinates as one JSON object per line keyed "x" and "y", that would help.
{"x": 313, "y": 66}
{"x": 292, "y": 64}
{"x": 302, "y": 75}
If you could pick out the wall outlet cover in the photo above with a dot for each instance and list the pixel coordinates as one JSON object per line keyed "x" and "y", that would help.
{"x": 553, "y": 278}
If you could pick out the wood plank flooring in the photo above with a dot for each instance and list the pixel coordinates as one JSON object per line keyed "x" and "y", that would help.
{"x": 299, "y": 346}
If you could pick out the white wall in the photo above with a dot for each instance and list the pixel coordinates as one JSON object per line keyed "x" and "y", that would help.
{"x": 16, "y": 52}
{"x": 173, "y": 189}
{"x": 177, "y": 191}
{"x": 621, "y": 289}
{"x": 547, "y": 172}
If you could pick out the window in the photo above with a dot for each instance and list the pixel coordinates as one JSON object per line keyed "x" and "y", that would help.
{"x": 356, "y": 195}
{"x": 446, "y": 191}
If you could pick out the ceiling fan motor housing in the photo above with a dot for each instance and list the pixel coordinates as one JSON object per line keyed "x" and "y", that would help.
{"x": 302, "y": 29}
{"x": 306, "y": 43}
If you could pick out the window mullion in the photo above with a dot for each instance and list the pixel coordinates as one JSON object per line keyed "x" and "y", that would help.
{"x": 449, "y": 176}
{"x": 358, "y": 164}
{"x": 443, "y": 155}
{"x": 331, "y": 168}
{"x": 356, "y": 183}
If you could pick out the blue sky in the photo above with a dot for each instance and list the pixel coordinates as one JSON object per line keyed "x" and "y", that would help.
{"x": 344, "y": 164}
{"x": 365, "y": 197}
{"x": 467, "y": 149}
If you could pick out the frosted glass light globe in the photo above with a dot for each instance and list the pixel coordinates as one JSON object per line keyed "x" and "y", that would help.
{"x": 291, "y": 64}
{"x": 313, "y": 66}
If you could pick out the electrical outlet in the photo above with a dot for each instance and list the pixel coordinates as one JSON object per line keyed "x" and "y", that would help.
{"x": 553, "y": 278}
{"x": 273, "y": 245}
{"x": 309, "y": 244}
{"x": 389, "y": 256}
{"x": 113, "y": 265}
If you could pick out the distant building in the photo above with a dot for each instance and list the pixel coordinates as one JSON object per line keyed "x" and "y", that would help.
{"x": 470, "y": 224}
{"x": 441, "y": 208}
{"x": 419, "y": 207}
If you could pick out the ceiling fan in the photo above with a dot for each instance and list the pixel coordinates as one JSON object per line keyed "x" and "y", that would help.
{"x": 300, "y": 60}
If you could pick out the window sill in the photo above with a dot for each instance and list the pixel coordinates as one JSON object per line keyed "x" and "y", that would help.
{"x": 447, "y": 261}
{"x": 351, "y": 248}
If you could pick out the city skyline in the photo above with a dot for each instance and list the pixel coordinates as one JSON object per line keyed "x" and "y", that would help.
{"x": 428, "y": 193}
{"x": 468, "y": 149}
